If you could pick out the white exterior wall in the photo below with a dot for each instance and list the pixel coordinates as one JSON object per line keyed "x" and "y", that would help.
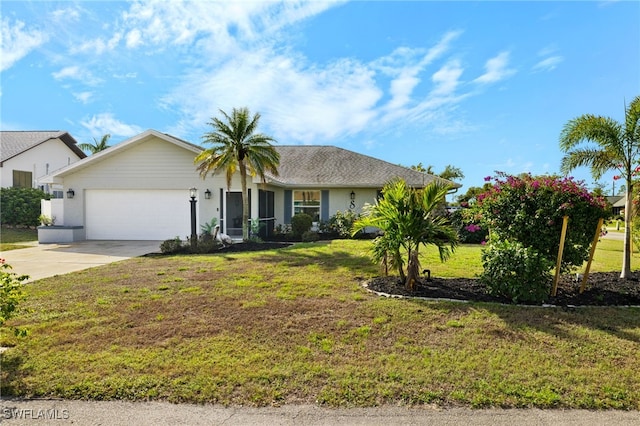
{"x": 54, "y": 209}
{"x": 54, "y": 153}
{"x": 153, "y": 164}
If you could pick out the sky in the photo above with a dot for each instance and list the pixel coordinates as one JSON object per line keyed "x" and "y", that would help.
{"x": 482, "y": 86}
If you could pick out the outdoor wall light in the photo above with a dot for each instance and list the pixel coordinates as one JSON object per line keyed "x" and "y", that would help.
{"x": 70, "y": 193}
{"x": 207, "y": 194}
{"x": 193, "y": 192}
{"x": 353, "y": 195}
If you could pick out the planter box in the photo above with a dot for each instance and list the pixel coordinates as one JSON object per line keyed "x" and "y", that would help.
{"x": 60, "y": 234}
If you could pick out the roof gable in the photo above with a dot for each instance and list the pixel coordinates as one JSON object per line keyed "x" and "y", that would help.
{"x": 15, "y": 143}
{"x": 122, "y": 147}
{"x": 313, "y": 165}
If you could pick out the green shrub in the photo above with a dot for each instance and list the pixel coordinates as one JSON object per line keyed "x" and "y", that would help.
{"x": 310, "y": 236}
{"x": 11, "y": 294}
{"x": 207, "y": 227}
{"x": 172, "y": 246}
{"x": 206, "y": 244}
{"x": 301, "y": 223}
{"x": 341, "y": 223}
{"x": 21, "y": 206}
{"x": 516, "y": 272}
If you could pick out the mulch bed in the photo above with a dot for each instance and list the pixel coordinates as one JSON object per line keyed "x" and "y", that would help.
{"x": 253, "y": 246}
{"x": 603, "y": 289}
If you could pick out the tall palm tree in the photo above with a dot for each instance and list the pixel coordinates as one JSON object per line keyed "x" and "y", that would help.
{"x": 96, "y": 146}
{"x": 237, "y": 147}
{"x": 617, "y": 147}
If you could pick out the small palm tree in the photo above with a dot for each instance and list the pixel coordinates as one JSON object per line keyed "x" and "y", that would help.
{"x": 96, "y": 146}
{"x": 236, "y": 147}
{"x": 617, "y": 147}
{"x": 409, "y": 218}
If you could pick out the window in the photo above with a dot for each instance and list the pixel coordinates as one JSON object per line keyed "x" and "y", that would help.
{"x": 22, "y": 179}
{"x": 307, "y": 202}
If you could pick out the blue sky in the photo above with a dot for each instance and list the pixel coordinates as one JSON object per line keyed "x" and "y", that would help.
{"x": 483, "y": 86}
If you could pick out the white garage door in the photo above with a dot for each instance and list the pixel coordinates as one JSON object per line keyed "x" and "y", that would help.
{"x": 137, "y": 214}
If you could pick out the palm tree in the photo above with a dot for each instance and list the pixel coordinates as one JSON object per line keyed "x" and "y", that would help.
{"x": 96, "y": 146}
{"x": 409, "y": 219}
{"x": 236, "y": 147}
{"x": 617, "y": 147}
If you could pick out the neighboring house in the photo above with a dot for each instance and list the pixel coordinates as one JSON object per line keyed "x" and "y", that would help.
{"x": 26, "y": 156}
{"x": 139, "y": 189}
{"x": 617, "y": 204}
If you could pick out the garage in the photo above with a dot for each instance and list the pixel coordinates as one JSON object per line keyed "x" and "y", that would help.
{"x": 136, "y": 214}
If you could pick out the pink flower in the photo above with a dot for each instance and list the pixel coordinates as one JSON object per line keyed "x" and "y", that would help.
{"x": 487, "y": 178}
{"x": 472, "y": 228}
{"x": 484, "y": 243}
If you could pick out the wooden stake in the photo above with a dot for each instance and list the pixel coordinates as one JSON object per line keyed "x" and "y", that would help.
{"x": 563, "y": 235}
{"x": 596, "y": 238}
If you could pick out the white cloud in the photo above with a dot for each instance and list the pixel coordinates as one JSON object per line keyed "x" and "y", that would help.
{"x": 74, "y": 72}
{"x": 446, "y": 79}
{"x": 65, "y": 16}
{"x": 297, "y": 101}
{"x": 496, "y": 69}
{"x": 98, "y": 46}
{"x": 83, "y": 97}
{"x": 133, "y": 38}
{"x": 106, "y": 123}
{"x": 16, "y": 42}
{"x": 548, "y": 64}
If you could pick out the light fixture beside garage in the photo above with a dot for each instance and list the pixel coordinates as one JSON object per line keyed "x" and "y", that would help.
{"x": 70, "y": 193}
{"x": 207, "y": 194}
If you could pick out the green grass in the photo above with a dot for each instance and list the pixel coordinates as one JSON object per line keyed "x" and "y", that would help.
{"x": 296, "y": 326}
{"x": 10, "y": 238}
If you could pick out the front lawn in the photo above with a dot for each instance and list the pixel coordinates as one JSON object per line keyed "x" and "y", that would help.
{"x": 295, "y": 326}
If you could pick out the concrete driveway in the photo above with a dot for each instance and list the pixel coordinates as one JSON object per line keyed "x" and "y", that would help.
{"x": 47, "y": 260}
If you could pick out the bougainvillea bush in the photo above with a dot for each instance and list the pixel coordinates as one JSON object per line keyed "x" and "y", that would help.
{"x": 530, "y": 210}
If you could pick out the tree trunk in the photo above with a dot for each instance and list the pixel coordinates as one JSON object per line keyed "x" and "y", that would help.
{"x": 245, "y": 201}
{"x": 628, "y": 214}
{"x": 413, "y": 270}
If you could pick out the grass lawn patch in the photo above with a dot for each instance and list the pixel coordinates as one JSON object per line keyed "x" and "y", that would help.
{"x": 10, "y": 238}
{"x": 295, "y": 326}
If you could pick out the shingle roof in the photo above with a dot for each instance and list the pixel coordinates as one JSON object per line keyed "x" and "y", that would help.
{"x": 313, "y": 165}
{"x": 13, "y": 143}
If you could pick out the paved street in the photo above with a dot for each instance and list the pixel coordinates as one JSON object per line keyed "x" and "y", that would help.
{"x": 116, "y": 413}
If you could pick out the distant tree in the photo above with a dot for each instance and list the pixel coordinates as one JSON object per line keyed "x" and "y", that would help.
{"x": 616, "y": 146}
{"x": 237, "y": 147}
{"x": 420, "y": 168}
{"x": 471, "y": 196}
{"x": 599, "y": 189}
{"x": 96, "y": 147}
{"x": 450, "y": 172}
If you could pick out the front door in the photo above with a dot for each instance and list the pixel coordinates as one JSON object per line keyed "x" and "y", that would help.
{"x": 233, "y": 216}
